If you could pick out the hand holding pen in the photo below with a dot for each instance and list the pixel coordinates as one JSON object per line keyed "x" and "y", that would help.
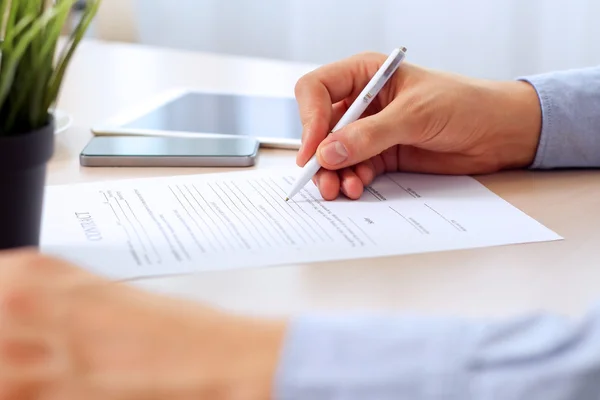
{"x": 353, "y": 113}
{"x": 421, "y": 121}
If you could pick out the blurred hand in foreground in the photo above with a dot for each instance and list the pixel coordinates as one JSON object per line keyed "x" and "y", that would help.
{"x": 67, "y": 334}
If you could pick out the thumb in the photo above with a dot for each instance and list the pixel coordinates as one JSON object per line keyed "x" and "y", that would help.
{"x": 360, "y": 140}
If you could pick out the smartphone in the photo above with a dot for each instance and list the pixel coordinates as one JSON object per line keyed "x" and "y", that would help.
{"x": 143, "y": 151}
{"x": 274, "y": 121}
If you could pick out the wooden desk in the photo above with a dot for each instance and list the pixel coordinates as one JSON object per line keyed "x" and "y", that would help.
{"x": 563, "y": 276}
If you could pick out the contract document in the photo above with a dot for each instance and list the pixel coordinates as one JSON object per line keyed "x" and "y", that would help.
{"x": 172, "y": 225}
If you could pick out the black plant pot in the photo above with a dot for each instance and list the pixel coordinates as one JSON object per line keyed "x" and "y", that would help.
{"x": 23, "y": 160}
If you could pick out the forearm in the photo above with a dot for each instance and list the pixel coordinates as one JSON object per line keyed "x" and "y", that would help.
{"x": 570, "y": 104}
{"x": 533, "y": 357}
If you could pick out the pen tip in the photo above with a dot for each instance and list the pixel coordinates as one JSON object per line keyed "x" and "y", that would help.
{"x": 287, "y": 199}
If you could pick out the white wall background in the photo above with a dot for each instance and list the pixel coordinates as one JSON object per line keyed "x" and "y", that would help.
{"x": 487, "y": 38}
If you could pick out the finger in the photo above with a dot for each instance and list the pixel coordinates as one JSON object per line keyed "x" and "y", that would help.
{"x": 305, "y": 154}
{"x": 390, "y": 159}
{"x": 378, "y": 164}
{"x": 24, "y": 348}
{"x": 350, "y": 184}
{"x": 30, "y": 359}
{"x": 26, "y": 306}
{"x": 366, "y": 172}
{"x": 338, "y": 111}
{"x": 19, "y": 391}
{"x": 362, "y": 139}
{"x": 328, "y": 183}
{"x": 317, "y": 91}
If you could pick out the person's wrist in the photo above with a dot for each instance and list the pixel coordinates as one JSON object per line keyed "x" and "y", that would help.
{"x": 248, "y": 358}
{"x": 516, "y": 123}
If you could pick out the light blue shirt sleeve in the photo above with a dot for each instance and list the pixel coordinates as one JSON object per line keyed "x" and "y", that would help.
{"x": 532, "y": 356}
{"x": 570, "y": 103}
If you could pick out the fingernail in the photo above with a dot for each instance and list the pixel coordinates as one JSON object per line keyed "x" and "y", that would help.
{"x": 343, "y": 191}
{"x": 334, "y": 153}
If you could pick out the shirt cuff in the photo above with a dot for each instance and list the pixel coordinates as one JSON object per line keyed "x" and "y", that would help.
{"x": 374, "y": 358}
{"x": 570, "y": 136}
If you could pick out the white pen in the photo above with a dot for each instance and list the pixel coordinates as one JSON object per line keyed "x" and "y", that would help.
{"x": 354, "y": 112}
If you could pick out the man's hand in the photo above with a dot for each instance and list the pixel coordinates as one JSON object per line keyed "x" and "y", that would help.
{"x": 67, "y": 334}
{"x": 422, "y": 121}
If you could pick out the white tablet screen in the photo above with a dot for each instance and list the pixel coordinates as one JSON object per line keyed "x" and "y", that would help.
{"x": 199, "y": 112}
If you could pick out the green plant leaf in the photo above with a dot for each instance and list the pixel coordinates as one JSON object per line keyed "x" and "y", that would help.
{"x": 10, "y": 22}
{"x": 21, "y": 46}
{"x": 30, "y": 72}
{"x": 44, "y": 62}
{"x": 4, "y": 4}
{"x": 19, "y": 28}
{"x": 11, "y": 60}
{"x": 75, "y": 38}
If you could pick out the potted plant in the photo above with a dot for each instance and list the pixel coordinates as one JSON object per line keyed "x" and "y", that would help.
{"x": 32, "y": 66}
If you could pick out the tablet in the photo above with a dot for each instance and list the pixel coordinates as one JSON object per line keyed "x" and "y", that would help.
{"x": 274, "y": 121}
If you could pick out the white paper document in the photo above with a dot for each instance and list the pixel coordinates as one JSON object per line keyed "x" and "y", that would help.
{"x": 160, "y": 226}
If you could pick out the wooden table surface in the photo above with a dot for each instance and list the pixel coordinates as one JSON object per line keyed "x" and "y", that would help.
{"x": 562, "y": 276}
